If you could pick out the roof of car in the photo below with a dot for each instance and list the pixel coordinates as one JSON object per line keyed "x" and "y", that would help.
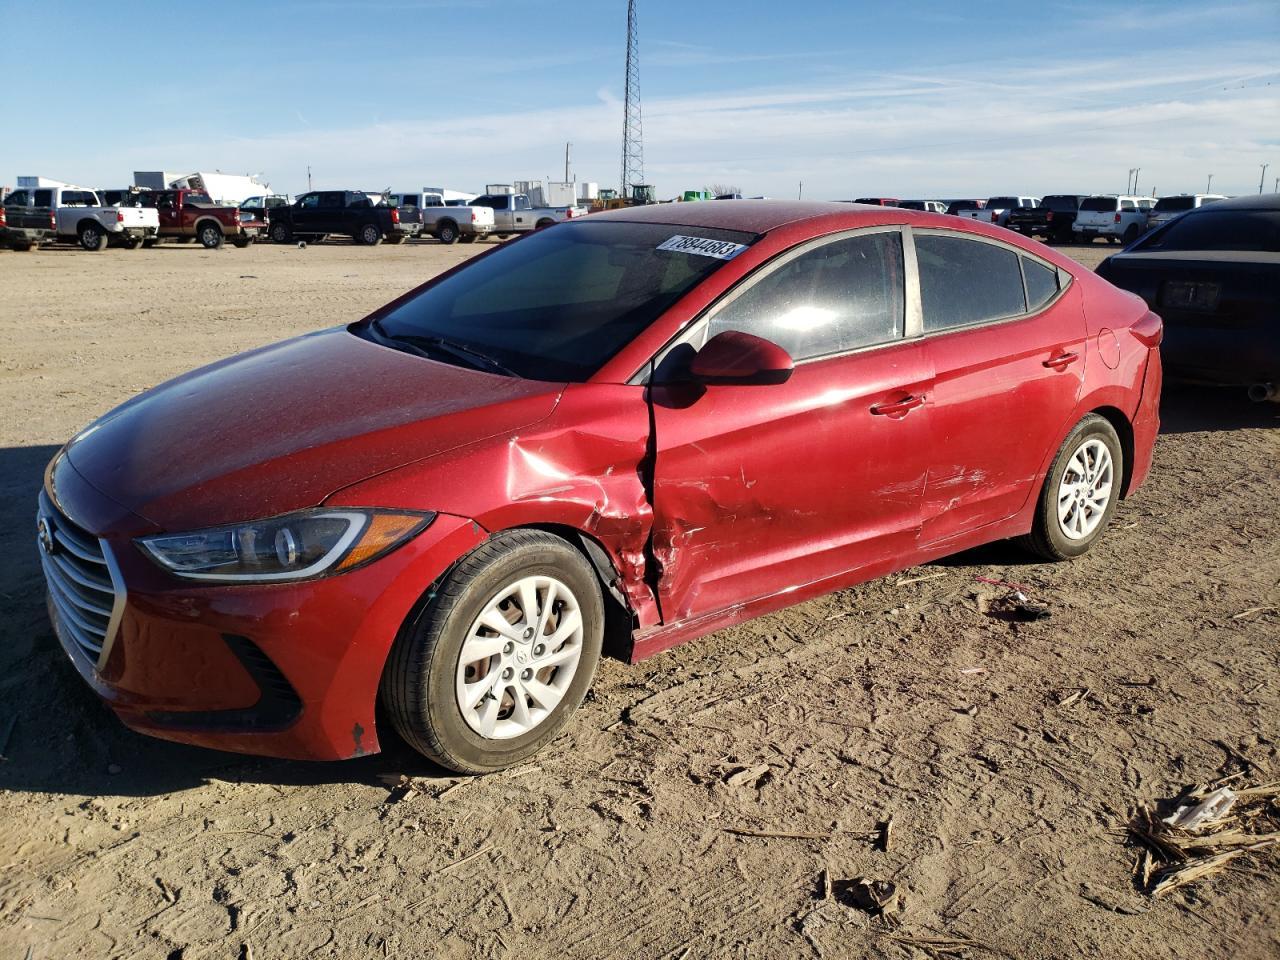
{"x": 1266, "y": 201}
{"x": 751, "y": 216}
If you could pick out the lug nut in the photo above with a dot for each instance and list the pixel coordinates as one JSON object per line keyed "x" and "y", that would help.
{"x": 508, "y": 673}
{"x": 508, "y": 647}
{"x": 526, "y": 674}
{"x": 539, "y": 650}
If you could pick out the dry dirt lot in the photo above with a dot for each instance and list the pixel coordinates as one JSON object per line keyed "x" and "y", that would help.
{"x": 903, "y": 697}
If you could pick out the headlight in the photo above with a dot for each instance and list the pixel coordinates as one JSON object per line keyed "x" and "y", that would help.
{"x": 296, "y": 546}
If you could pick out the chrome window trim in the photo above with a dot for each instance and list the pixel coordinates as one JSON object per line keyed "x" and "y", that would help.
{"x": 1064, "y": 279}
{"x": 698, "y": 325}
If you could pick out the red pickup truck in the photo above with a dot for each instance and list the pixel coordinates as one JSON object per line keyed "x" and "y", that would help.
{"x": 190, "y": 214}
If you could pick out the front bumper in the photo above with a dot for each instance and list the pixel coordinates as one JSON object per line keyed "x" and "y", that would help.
{"x": 283, "y": 670}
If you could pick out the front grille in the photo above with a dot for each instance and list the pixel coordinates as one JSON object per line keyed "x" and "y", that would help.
{"x": 84, "y": 591}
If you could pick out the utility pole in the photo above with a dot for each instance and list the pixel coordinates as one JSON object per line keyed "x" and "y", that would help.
{"x": 800, "y": 195}
{"x": 1262, "y": 179}
{"x": 1128, "y": 184}
{"x": 308, "y": 178}
{"x": 567, "y": 148}
{"x": 1137, "y": 171}
{"x": 1208, "y": 187}
{"x": 632, "y": 132}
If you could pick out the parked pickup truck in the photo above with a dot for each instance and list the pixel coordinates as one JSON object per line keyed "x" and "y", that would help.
{"x": 1116, "y": 218}
{"x": 447, "y": 223}
{"x": 350, "y": 213}
{"x": 997, "y": 209}
{"x": 1052, "y": 219}
{"x": 189, "y": 213}
{"x": 24, "y": 226}
{"x": 513, "y": 213}
{"x": 83, "y": 218}
{"x": 260, "y": 209}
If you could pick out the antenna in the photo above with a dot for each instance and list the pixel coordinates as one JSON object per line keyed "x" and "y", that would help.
{"x": 632, "y": 134}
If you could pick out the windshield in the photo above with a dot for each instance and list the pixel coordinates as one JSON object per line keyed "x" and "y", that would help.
{"x": 559, "y": 303}
{"x": 1224, "y": 230}
{"x": 1175, "y": 204}
{"x": 1061, "y": 204}
{"x": 1099, "y": 204}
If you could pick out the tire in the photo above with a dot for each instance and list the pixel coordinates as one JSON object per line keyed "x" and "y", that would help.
{"x": 397, "y": 239}
{"x": 92, "y": 237}
{"x": 132, "y": 243}
{"x": 369, "y": 235}
{"x": 1131, "y": 234}
{"x": 24, "y": 246}
{"x": 545, "y": 223}
{"x": 447, "y": 232}
{"x": 1052, "y": 538}
{"x": 241, "y": 242}
{"x": 210, "y": 236}
{"x": 148, "y": 244}
{"x": 279, "y": 233}
{"x": 468, "y": 238}
{"x": 423, "y": 683}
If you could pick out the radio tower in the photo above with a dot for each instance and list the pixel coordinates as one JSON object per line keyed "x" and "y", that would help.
{"x": 632, "y": 135}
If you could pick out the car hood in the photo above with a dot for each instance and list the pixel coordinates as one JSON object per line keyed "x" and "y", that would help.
{"x": 283, "y": 427}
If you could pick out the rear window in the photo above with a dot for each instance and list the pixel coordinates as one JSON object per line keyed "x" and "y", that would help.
{"x": 1256, "y": 230}
{"x": 1002, "y": 203}
{"x": 561, "y": 302}
{"x": 1175, "y": 204}
{"x": 966, "y": 281}
{"x": 1099, "y": 204}
{"x": 1061, "y": 204}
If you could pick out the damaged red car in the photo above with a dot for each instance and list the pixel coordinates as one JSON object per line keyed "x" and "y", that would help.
{"x": 647, "y": 424}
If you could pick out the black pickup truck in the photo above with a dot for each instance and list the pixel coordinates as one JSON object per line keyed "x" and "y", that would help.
{"x": 349, "y": 213}
{"x": 1052, "y": 219}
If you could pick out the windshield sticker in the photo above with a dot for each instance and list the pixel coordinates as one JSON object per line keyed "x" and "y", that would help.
{"x": 702, "y": 247}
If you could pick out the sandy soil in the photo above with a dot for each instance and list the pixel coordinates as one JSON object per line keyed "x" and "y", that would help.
{"x": 903, "y": 697}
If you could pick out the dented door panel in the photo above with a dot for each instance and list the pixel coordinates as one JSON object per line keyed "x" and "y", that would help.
{"x": 759, "y": 489}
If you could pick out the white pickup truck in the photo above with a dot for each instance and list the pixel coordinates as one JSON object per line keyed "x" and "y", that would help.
{"x": 81, "y": 217}
{"x": 513, "y": 213}
{"x": 997, "y": 209}
{"x": 1116, "y": 218}
{"x": 447, "y": 224}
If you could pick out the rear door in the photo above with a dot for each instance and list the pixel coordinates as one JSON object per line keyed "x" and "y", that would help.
{"x": 1005, "y": 336}
{"x": 761, "y": 489}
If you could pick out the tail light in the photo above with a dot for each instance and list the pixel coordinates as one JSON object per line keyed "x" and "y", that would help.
{"x": 568, "y": 214}
{"x": 995, "y": 216}
{"x": 1117, "y": 218}
{"x": 1150, "y": 329}
{"x": 235, "y": 217}
{"x": 1048, "y": 217}
{"x": 4, "y": 217}
{"x": 473, "y": 216}
{"x": 53, "y": 221}
{"x": 119, "y": 216}
{"x": 395, "y": 215}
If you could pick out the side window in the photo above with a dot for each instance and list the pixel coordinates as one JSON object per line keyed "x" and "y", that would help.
{"x": 309, "y": 201}
{"x": 331, "y": 199}
{"x": 966, "y": 281}
{"x": 1042, "y": 283}
{"x": 522, "y": 203}
{"x": 839, "y": 296}
{"x": 1127, "y": 205}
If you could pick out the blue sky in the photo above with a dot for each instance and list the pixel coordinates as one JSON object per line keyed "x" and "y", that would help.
{"x": 854, "y": 99}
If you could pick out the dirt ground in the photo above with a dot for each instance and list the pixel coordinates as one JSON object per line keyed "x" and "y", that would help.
{"x": 902, "y": 698}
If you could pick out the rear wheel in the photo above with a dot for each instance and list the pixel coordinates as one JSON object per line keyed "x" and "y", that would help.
{"x": 546, "y": 222}
{"x": 241, "y": 242}
{"x": 210, "y": 236}
{"x": 93, "y": 237}
{"x": 279, "y": 233}
{"x": 501, "y": 656}
{"x": 468, "y": 238}
{"x": 132, "y": 243}
{"x": 1080, "y": 493}
{"x": 150, "y": 243}
{"x": 447, "y": 232}
{"x": 369, "y": 235}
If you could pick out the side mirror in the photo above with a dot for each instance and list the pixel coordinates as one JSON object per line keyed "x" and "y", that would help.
{"x": 740, "y": 359}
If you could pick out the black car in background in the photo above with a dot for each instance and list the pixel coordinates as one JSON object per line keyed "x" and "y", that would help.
{"x": 352, "y": 213}
{"x": 1213, "y": 274}
{"x": 1052, "y": 219}
{"x": 955, "y": 206}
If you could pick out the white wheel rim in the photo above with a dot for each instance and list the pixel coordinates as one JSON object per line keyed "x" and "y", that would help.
{"x": 519, "y": 658}
{"x": 1085, "y": 490}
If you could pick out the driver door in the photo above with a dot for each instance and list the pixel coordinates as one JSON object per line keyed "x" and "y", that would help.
{"x": 762, "y": 489}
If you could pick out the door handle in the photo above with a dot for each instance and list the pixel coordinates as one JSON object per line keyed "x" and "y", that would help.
{"x": 1061, "y": 361}
{"x": 898, "y": 408}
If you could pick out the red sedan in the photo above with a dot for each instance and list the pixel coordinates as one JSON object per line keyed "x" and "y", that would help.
{"x": 661, "y": 421}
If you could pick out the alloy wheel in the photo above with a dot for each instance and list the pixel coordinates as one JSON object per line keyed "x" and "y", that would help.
{"x": 1085, "y": 489}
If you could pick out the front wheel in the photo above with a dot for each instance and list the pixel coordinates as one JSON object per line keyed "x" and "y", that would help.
{"x": 501, "y": 656}
{"x": 93, "y": 238}
{"x": 1080, "y": 493}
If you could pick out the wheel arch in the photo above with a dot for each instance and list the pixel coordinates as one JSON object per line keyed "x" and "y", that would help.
{"x": 202, "y": 222}
{"x": 1124, "y": 430}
